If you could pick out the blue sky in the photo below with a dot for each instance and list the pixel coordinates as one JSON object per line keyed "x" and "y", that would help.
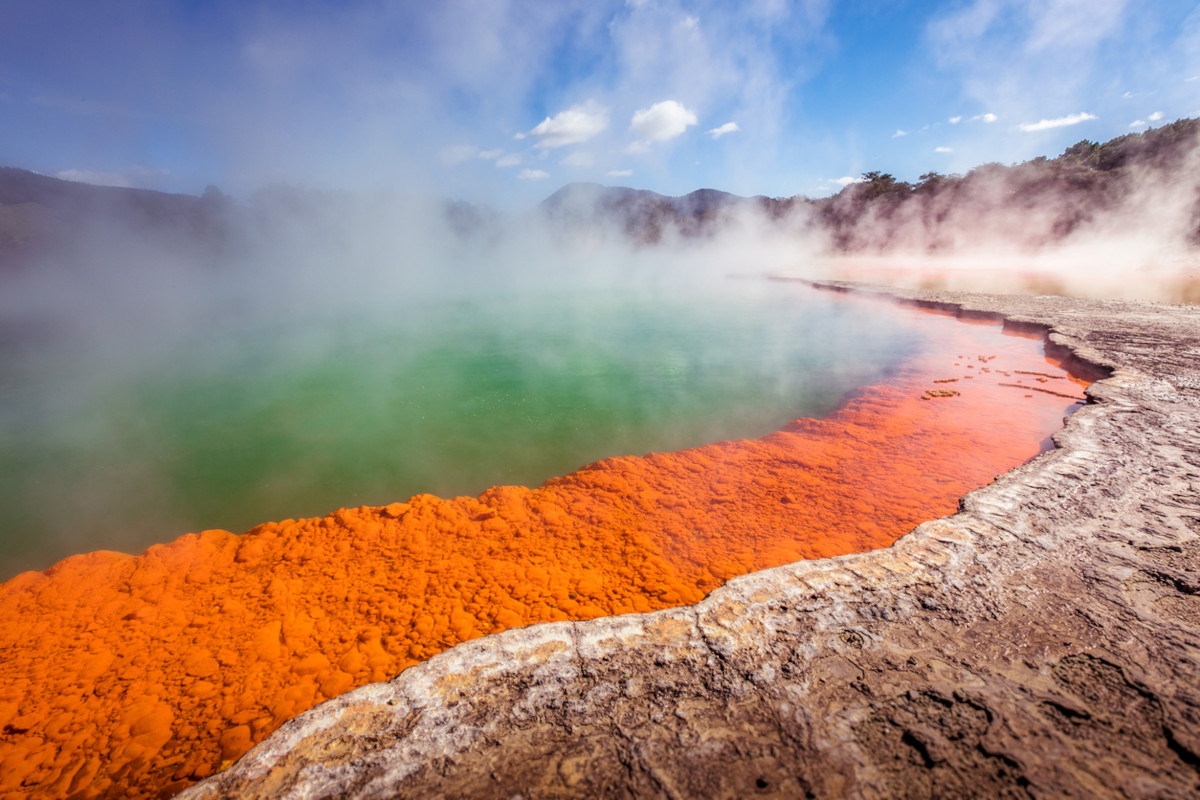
{"x": 504, "y": 102}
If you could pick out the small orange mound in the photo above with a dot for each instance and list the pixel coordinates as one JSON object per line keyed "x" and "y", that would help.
{"x": 136, "y": 676}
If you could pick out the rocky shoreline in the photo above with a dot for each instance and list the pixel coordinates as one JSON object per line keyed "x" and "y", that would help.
{"x": 1044, "y": 641}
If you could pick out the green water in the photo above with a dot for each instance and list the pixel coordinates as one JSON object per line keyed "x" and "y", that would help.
{"x": 278, "y": 417}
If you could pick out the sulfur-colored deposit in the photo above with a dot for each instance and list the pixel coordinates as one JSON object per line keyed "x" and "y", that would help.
{"x": 136, "y": 676}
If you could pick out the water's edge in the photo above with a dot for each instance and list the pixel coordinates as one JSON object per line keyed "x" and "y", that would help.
{"x": 1043, "y": 640}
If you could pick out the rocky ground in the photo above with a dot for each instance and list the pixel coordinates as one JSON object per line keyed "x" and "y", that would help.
{"x": 1043, "y": 642}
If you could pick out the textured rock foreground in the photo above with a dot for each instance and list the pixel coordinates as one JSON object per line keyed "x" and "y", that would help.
{"x": 1043, "y": 642}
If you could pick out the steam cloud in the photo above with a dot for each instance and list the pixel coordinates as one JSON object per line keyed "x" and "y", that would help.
{"x": 97, "y": 283}
{"x": 1119, "y": 220}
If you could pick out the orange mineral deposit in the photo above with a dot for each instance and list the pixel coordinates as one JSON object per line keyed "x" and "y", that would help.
{"x": 134, "y": 677}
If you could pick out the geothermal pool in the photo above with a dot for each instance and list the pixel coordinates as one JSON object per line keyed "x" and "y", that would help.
{"x": 122, "y": 442}
{"x": 135, "y": 677}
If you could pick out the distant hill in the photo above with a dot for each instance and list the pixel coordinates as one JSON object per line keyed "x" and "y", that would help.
{"x": 1135, "y": 179}
{"x": 71, "y": 197}
{"x": 640, "y": 214}
{"x": 1147, "y": 180}
{"x": 40, "y": 215}
{"x": 1030, "y": 204}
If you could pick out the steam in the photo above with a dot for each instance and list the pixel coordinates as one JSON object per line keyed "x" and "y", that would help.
{"x": 1062, "y": 226}
{"x": 124, "y": 292}
{"x": 122, "y": 336}
{"x": 1133, "y": 237}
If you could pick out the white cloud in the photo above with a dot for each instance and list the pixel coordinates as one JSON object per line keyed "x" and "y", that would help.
{"x": 488, "y": 155}
{"x": 728, "y": 127}
{"x": 619, "y": 173}
{"x": 1192, "y": 79}
{"x": 94, "y": 177}
{"x": 637, "y": 148}
{"x": 943, "y": 150}
{"x": 661, "y": 121}
{"x": 510, "y": 160}
{"x": 457, "y": 154}
{"x": 1138, "y": 123}
{"x": 836, "y": 184}
{"x": 1019, "y": 57}
{"x": 575, "y": 125}
{"x": 1059, "y": 122}
{"x": 956, "y": 120}
{"x": 532, "y": 175}
{"x": 1156, "y": 116}
{"x": 578, "y": 160}
{"x": 727, "y": 67}
{"x": 988, "y": 117}
{"x": 899, "y": 133}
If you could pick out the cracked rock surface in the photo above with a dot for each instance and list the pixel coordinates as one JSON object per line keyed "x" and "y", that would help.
{"x": 1043, "y": 642}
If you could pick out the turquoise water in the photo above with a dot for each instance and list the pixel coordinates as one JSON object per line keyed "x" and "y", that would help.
{"x": 285, "y": 416}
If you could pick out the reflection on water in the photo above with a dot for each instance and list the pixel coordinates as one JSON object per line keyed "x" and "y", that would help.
{"x": 118, "y": 446}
